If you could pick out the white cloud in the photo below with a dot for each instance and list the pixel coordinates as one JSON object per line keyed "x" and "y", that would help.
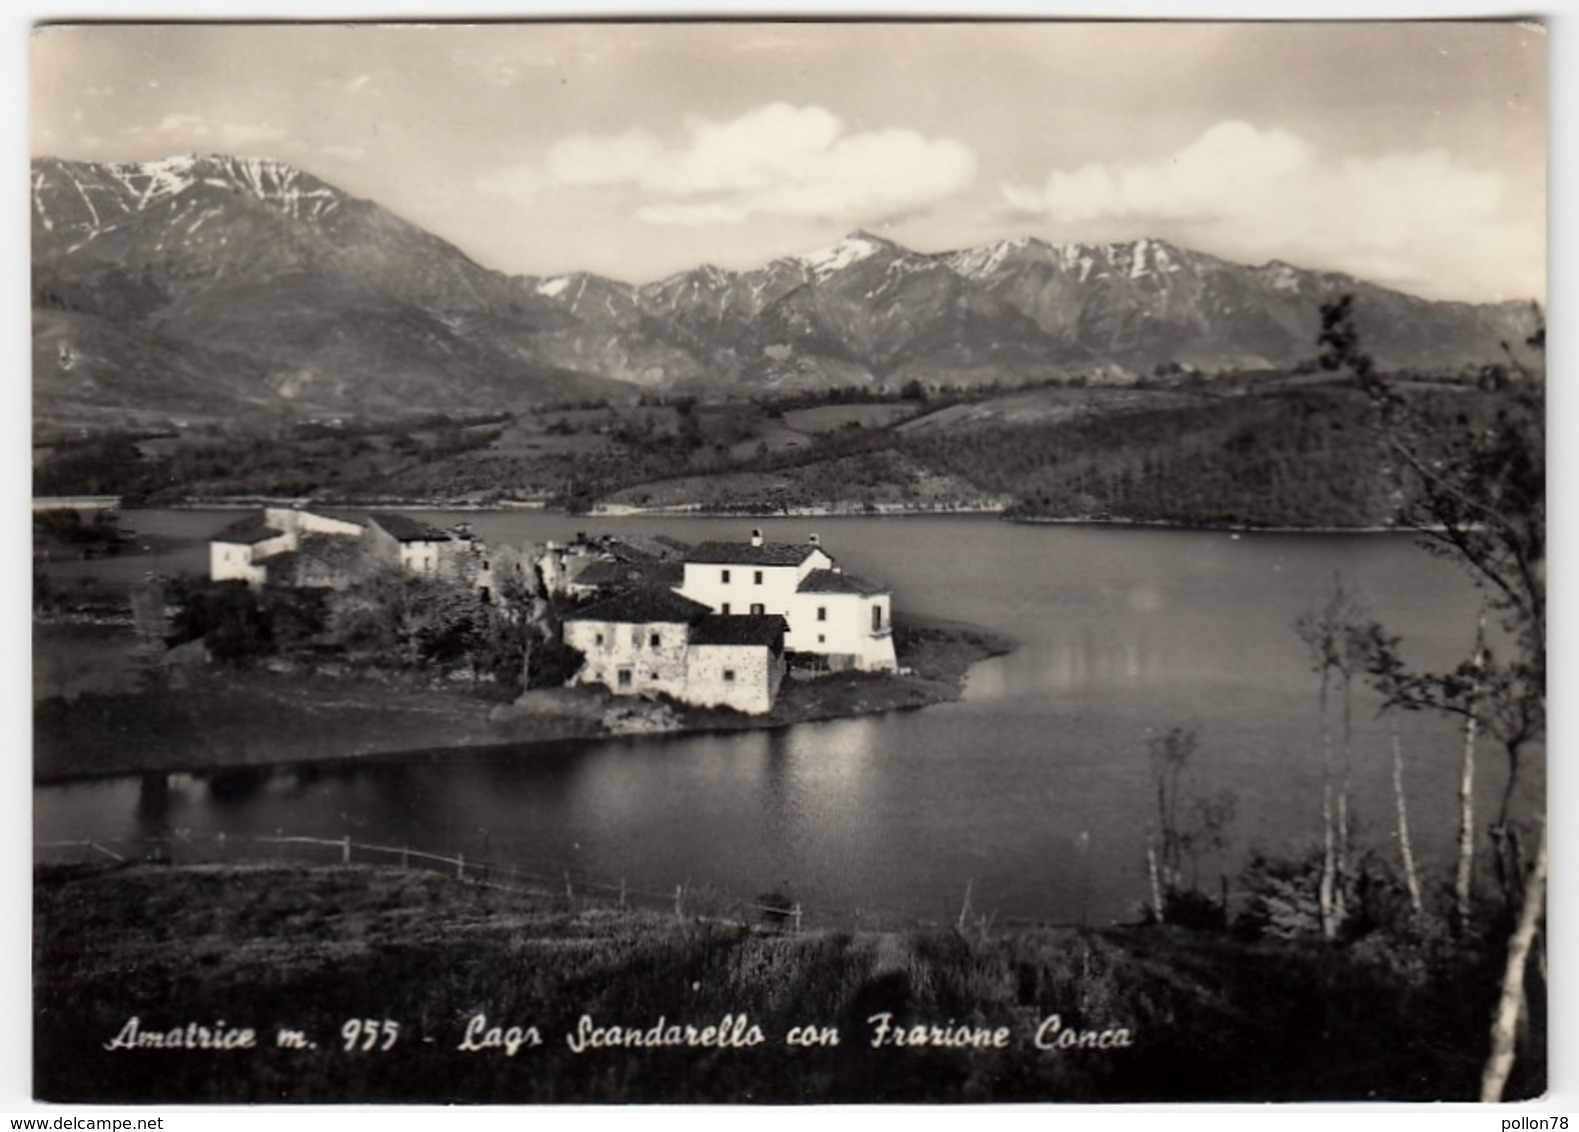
{"x": 1202, "y": 180}
{"x": 777, "y": 159}
{"x": 1407, "y": 219}
{"x": 232, "y": 134}
{"x": 193, "y": 129}
{"x": 586, "y": 160}
{"x": 520, "y": 183}
{"x": 176, "y": 123}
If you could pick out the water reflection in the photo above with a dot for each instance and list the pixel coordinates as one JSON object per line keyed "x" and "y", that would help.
{"x": 1033, "y": 790}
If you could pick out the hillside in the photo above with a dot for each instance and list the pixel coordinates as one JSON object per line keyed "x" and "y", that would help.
{"x": 1205, "y": 1016}
{"x": 1263, "y": 451}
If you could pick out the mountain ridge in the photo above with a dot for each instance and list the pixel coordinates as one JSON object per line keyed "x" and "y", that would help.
{"x": 328, "y": 302}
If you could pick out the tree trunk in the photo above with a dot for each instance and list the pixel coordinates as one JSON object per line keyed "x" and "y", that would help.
{"x": 1341, "y": 863}
{"x": 1157, "y": 909}
{"x": 1466, "y": 792}
{"x": 1505, "y": 1019}
{"x": 1327, "y": 897}
{"x": 1329, "y": 919}
{"x": 1405, "y": 849}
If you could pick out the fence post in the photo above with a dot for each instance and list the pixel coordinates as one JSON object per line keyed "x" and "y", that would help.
{"x": 622, "y": 893}
{"x": 679, "y": 913}
{"x": 345, "y": 850}
{"x": 460, "y": 866}
{"x": 570, "y": 893}
{"x": 795, "y": 912}
{"x": 405, "y": 857}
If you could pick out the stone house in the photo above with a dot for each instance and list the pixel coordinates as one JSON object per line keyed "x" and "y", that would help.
{"x": 653, "y": 640}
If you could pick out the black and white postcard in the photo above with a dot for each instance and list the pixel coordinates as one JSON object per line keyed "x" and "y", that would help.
{"x": 788, "y": 561}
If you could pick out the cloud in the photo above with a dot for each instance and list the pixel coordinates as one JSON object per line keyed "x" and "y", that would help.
{"x": 357, "y": 83}
{"x": 193, "y": 128}
{"x": 1406, "y": 218}
{"x": 521, "y": 183}
{"x": 1203, "y": 180}
{"x": 777, "y": 160}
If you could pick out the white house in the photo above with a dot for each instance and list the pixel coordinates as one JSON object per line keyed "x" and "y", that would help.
{"x": 829, "y": 613}
{"x": 286, "y": 544}
{"x": 654, "y": 640}
{"x": 239, "y": 552}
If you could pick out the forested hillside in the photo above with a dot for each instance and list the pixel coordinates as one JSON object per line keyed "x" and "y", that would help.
{"x": 1301, "y": 457}
{"x": 1258, "y": 450}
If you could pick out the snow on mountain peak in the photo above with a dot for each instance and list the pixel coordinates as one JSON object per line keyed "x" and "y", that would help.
{"x": 149, "y": 182}
{"x": 553, "y": 287}
{"x": 850, "y": 250}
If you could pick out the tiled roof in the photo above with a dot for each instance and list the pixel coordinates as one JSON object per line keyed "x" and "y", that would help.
{"x": 601, "y": 573}
{"x": 247, "y": 531}
{"x": 667, "y": 574}
{"x": 758, "y": 629}
{"x": 744, "y": 554}
{"x": 343, "y": 516}
{"x": 405, "y": 529}
{"x": 833, "y": 582}
{"x": 643, "y": 607}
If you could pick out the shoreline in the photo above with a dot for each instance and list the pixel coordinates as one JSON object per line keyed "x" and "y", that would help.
{"x": 255, "y": 720}
{"x": 1213, "y": 528}
{"x": 697, "y": 511}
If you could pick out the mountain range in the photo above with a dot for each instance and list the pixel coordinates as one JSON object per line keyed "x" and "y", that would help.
{"x": 226, "y": 287}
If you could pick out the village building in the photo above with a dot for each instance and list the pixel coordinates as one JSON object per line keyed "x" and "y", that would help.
{"x": 416, "y": 547}
{"x": 654, "y": 640}
{"x": 600, "y": 565}
{"x": 842, "y": 620}
{"x": 242, "y": 550}
{"x": 295, "y": 546}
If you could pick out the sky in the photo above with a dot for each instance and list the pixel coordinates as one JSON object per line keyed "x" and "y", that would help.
{"x": 1409, "y": 154}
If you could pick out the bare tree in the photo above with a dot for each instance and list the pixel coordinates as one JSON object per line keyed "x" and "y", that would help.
{"x": 1477, "y": 494}
{"x": 1334, "y": 639}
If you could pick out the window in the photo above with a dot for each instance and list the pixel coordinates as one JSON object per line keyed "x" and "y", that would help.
{"x": 656, "y": 640}
{"x": 729, "y": 676}
{"x": 625, "y": 678}
{"x": 725, "y": 578}
{"x": 600, "y": 640}
{"x": 822, "y": 613}
{"x": 724, "y": 609}
{"x": 877, "y": 618}
{"x": 822, "y": 639}
{"x": 758, "y": 609}
{"x": 757, "y": 580}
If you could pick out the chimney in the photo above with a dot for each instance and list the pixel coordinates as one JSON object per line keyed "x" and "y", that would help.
{"x": 814, "y": 539}
{"x": 756, "y": 536}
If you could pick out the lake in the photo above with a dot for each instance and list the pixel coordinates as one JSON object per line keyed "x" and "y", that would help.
{"x": 1034, "y": 789}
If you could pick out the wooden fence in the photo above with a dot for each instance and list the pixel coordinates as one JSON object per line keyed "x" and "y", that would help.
{"x": 684, "y": 901}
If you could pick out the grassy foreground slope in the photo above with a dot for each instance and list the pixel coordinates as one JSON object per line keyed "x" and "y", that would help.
{"x": 310, "y": 949}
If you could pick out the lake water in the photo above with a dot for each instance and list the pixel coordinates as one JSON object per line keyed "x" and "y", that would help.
{"x": 1034, "y": 789}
